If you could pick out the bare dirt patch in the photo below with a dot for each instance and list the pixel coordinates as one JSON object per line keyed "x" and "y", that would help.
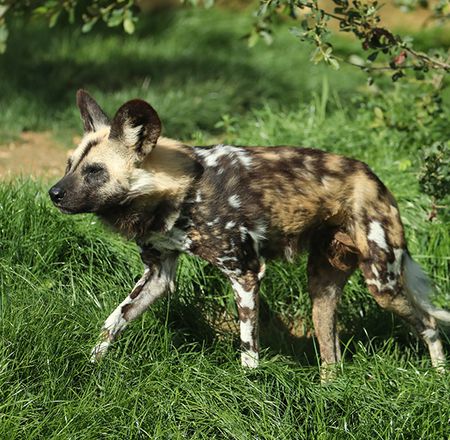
{"x": 33, "y": 154}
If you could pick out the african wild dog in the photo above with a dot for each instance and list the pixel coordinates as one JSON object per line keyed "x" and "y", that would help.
{"x": 236, "y": 207}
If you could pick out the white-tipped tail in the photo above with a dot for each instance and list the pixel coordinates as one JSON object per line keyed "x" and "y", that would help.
{"x": 418, "y": 288}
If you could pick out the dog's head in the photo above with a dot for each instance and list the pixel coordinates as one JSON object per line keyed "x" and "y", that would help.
{"x": 101, "y": 170}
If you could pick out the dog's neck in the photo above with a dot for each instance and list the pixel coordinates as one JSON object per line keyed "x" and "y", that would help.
{"x": 157, "y": 192}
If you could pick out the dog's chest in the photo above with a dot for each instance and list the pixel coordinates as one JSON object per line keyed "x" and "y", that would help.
{"x": 220, "y": 221}
{"x": 174, "y": 240}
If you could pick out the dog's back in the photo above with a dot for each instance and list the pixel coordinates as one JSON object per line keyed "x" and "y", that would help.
{"x": 281, "y": 195}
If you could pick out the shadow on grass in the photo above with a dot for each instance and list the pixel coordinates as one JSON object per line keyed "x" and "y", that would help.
{"x": 45, "y": 67}
{"x": 192, "y": 326}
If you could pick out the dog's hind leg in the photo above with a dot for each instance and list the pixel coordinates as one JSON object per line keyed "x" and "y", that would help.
{"x": 329, "y": 267}
{"x": 398, "y": 284}
{"x": 157, "y": 279}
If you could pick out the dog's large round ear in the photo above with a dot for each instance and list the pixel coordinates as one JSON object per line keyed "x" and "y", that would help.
{"x": 136, "y": 125}
{"x": 92, "y": 115}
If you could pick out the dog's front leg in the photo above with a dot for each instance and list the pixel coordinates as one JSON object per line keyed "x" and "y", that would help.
{"x": 246, "y": 290}
{"x": 157, "y": 279}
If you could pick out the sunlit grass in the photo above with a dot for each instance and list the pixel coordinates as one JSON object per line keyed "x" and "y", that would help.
{"x": 175, "y": 374}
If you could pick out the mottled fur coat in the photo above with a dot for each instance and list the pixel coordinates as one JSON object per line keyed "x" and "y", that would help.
{"x": 237, "y": 207}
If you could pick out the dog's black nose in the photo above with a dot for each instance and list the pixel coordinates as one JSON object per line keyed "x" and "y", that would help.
{"x": 56, "y": 194}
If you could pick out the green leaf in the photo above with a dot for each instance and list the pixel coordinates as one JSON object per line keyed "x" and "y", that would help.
{"x": 262, "y": 9}
{"x": 252, "y": 38}
{"x": 267, "y": 36}
{"x": 397, "y": 75}
{"x": 41, "y": 10}
{"x": 88, "y": 25}
{"x": 317, "y": 56}
{"x": 71, "y": 15}
{"x": 404, "y": 164}
{"x": 114, "y": 20}
{"x": 3, "y": 37}
{"x": 355, "y": 59}
{"x": 54, "y": 19}
{"x": 128, "y": 25}
{"x": 373, "y": 56}
{"x": 334, "y": 63}
{"x": 3, "y": 10}
{"x": 378, "y": 113}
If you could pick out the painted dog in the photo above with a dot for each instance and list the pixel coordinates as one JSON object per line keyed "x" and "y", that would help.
{"x": 237, "y": 207}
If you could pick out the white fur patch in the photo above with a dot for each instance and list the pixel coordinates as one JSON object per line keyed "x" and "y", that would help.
{"x": 212, "y": 155}
{"x": 262, "y": 270}
{"x": 246, "y": 331}
{"x": 244, "y": 158}
{"x": 431, "y": 337}
{"x": 257, "y": 235}
{"x": 395, "y": 268}
{"x": 214, "y": 222}
{"x": 222, "y": 260}
{"x": 375, "y": 283}
{"x": 230, "y": 225}
{"x": 234, "y": 201}
{"x": 231, "y": 273}
{"x": 390, "y": 285}
{"x": 152, "y": 288}
{"x": 173, "y": 240}
{"x": 131, "y": 134}
{"x": 250, "y": 359}
{"x": 115, "y": 322}
{"x": 244, "y": 231}
{"x": 99, "y": 351}
{"x": 430, "y": 334}
{"x": 141, "y": 182}
{"x": 377, "y": 235}
{"x": 155, "y": 288}
{"x": 374, "y": 270}
{"x": 245, "y": 298}
{"x": 289, "y": 253}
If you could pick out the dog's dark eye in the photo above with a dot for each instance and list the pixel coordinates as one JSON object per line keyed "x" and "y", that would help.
{"x": 94, "y": 173}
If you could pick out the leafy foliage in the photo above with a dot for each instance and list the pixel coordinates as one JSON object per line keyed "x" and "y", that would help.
{"x": 112, "y": 12}
{"x": 434, "y": 178}
{"x": 360, "y": 18}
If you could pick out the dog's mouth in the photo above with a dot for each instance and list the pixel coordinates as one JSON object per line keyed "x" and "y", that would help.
{"x": 65, "y": 210}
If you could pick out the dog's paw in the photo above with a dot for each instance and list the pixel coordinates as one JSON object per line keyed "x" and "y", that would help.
{"x": 328, "y": 373}
{"x": 99, "y": 351}
{"x": 249, "y": 359}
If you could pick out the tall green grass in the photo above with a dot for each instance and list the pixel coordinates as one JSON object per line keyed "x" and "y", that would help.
{"x": 174, "y": 374}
